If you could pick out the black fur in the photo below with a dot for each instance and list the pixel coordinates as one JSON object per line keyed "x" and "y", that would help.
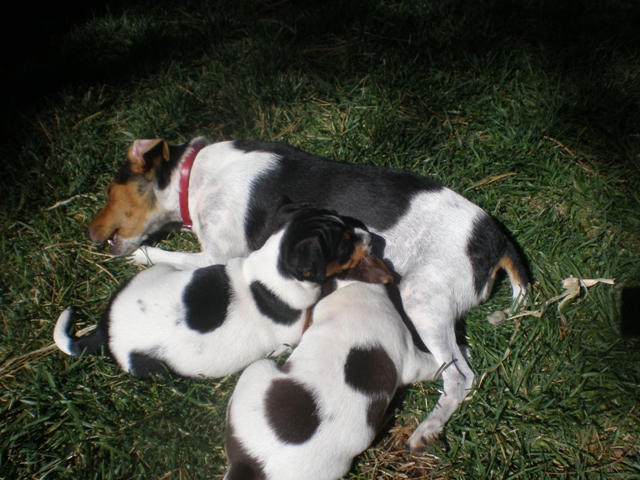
{"x": 242, "y": 465}
{"x": 166, "y": 168}
{"x": 487, "y": 245}
{"x": 271, "y": 306}
{"x": 98, "y": 339}
{"x": 292, "y": 411}
{"x": 207, "y": 298}
{"x": 377, "y": 196}
{"x": 315, "y": 235}
{"x": 143, "y": 365}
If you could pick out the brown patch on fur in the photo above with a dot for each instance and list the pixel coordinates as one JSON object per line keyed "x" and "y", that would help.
{"x": 370, "y": 270}
{"x": 506, "y": 264}
{"x": 358, "y": 254}
{"x": 125, "y": 213}
{"x": 243, "y": 465}
{"x": 308, "y": 320}
{"x": 291, "y": 411}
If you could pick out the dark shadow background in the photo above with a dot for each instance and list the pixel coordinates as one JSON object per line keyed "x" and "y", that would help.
{"x": 579, "y": 38}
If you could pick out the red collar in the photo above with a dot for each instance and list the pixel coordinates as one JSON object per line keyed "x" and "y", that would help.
{"x": 185, "y": 173}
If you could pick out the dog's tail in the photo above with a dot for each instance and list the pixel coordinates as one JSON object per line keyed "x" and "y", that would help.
{"x": 71, "y": 345}
{"x": 511, "y": 263}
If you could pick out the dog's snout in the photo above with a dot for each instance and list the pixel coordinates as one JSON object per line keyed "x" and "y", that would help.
{"x": 87, "y": 234}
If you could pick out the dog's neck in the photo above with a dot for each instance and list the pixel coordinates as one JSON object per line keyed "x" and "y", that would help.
{"x": 262, "y": 266}
{"x": 185, "y": 174}
{"x": 173, "y": 201}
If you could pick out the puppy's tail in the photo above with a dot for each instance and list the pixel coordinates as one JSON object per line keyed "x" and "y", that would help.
{"x": 89, "y": 344}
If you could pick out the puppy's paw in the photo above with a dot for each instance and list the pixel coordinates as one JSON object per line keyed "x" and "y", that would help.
{"x": 140, "y": 257}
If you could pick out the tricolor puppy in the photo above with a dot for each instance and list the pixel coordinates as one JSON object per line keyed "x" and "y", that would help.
{"x": 311, "y": 417}
{"x": 215, "y": 320}
{"x": 446, "y": 249}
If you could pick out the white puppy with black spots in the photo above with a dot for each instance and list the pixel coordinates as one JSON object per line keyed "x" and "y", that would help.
{"x": 213, "y": 321}
{"x": 309, "y": 418}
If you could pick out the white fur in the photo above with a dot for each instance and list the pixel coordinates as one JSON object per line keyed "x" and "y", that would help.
{"x": 426, "y": 245}
{"x": 148, "y": 316}
{"x": 357, "y": 315}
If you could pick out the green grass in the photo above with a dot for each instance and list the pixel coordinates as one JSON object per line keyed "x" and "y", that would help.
{"x": 530, "y": 109}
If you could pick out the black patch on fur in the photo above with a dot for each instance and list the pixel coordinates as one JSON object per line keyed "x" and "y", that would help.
{"x": 378, "y": 196}
{"x": 206, "y": 298}
{"x": 143, "y": 365}
{"x": 485, "y": 248}
{"x": 313, "y": 239}
{"x": 291, "y": 411}
{"x": 376, "y": 410}
{"x": 370, "y": 371}
{"x": 272, "y": 306}
{"x": 98, "y": 339}
{"x": 242, "y": 466}
{"x": 166, "y": 167}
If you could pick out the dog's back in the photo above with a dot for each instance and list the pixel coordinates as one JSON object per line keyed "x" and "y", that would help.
{"x": 311, "y": 417}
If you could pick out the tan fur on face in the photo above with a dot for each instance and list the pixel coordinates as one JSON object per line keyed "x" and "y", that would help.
{"x": 125, "y": 213}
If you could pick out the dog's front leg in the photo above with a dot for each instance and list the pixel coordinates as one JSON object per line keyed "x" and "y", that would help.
{"x": 181, "y": 260}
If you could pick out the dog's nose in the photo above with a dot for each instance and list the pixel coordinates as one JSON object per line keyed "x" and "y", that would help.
{"x": 87, "y": 234}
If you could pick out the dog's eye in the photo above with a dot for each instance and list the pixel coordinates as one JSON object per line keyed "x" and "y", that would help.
{"x": 346, "y": 236}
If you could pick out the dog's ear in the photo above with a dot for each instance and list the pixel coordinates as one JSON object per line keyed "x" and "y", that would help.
{"x": 308, "y": 260}
{"x": 369, "y": 270}
{"x": 147, "y": 154}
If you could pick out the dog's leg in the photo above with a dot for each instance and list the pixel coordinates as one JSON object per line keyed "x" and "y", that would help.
{"x": 179, "y": 260}
{"x": 433, "y": 314}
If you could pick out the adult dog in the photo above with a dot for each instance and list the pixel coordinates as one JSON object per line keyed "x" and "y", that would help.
{"x": 310, "y": 418}
{"x": 446, "y": 249}
{"x": 216, "y": 320}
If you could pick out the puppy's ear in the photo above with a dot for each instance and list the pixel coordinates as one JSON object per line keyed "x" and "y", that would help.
{"x": 369, "y": 270}
{"x": 308, "y": 260}
{"x": 147, "y": 154}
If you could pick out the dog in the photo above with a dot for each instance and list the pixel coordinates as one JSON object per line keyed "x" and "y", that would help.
{"x": 311, "y": 417}
{"x": 446, "y": 249}
{"x": 215, "y": 320}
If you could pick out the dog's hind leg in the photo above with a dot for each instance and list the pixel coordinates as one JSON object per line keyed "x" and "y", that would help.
{"x": 432, "y": 309}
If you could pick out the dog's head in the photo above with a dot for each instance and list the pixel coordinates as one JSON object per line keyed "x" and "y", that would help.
{"x": 317, "y": 243}
{"x": 131, "y": 212}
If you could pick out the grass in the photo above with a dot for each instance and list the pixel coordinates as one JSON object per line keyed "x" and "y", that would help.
{"x": 530, "y": 109}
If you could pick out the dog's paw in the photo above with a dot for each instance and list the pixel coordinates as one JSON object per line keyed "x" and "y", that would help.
{"x": 497, "y": 318}
{"x": 140, "y": 257}
{"x": 434, "y": 444}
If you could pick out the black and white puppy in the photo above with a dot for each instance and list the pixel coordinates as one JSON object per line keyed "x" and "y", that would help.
{"x": 311, "y": 417}
{"x": 213, "y": 321}
{"x": 446, "y": 249}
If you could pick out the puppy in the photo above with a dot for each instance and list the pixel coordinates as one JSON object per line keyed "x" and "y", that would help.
{"x": 215, "y": 320}
{"x": 446, "y": 249}
{"x": 311, "y": 417}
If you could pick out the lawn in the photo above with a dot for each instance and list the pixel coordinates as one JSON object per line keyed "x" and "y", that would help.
{"x": 531, "y": 109}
